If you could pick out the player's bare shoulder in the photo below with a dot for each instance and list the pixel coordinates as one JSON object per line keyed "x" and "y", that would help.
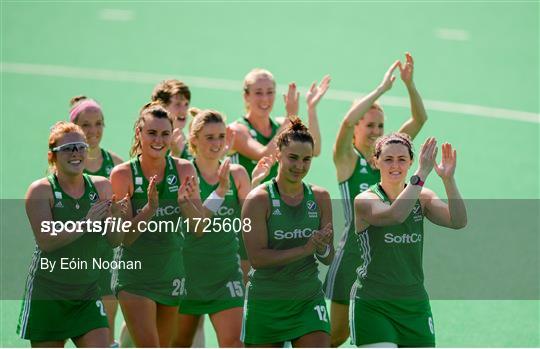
{"x": 39, "y": 189}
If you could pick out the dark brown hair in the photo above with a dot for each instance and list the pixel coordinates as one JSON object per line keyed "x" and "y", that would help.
{"x": 296, "y": 132}
{"x": 393, "y": 138}
{"x": 153, "y": 109}
{"x": 165, "y": 90}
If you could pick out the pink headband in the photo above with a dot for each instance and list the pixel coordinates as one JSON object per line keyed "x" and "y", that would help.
{"x": 85, "y": 105}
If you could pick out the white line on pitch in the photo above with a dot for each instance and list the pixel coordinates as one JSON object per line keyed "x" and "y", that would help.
{"x": 452, "y": 34}
{"x": 110, "y": 14}
{"x": 233, "y": 85}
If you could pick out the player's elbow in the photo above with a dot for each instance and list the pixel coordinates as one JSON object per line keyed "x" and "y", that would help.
{"x": 460, "y": 224}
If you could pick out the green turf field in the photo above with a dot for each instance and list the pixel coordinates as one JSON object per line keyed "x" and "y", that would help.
{"x": 476, "y": 66}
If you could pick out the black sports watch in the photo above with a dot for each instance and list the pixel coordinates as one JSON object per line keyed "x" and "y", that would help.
{"x": 416, "y": 180}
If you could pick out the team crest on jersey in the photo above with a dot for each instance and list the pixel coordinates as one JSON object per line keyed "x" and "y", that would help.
{"x": 253, "y": 133}
{"x": 58, "y": 195}
{"x": 138, "y": 181}
{"x": 172, "y": 181}
{"x": 93, "y": 196}
{"x": 312, "y": 209}
{"x": 417, "y": 212}
{"x": 363, "y": 162}
{"x": 229, "y": 192}
{"x": 275, "y": 203}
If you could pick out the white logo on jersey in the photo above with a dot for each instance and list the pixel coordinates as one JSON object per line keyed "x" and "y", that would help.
{"x": 229, "y": 192}
{"x": 276, "y": 212}
{"x": 295, "y": 234}
{"x": 138, "y": 180}
{"x": 171, "y": 179}
{"x": 364, "y": 187}
{"x": 225, "y": 211}
{"x": 139, "y": 190}
{"x": 108, "y": 170}
{"x": 431, "y": 327}
{"x": 275, "y": 203}
{"x": 417, "y": 211}
{"x": 413, "y": 238}
{"x": 363, "y": 170}
{"x": 93, "y": 196}
{"x": 59, "y": 205}
{"x": 253, "y": 133}
{"x": 363, "y": 162}
{"x": 58, "y": 195}
{"x": 312, "y": 207}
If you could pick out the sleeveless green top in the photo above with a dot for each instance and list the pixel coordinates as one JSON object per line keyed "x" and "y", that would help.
{"x": 216, "y": 244}
{"x": 211, "y": 258}
{"x": 159, "y": 251}
{"x": 361, "y": 179}
{"x": 82, "y": 250}
{"x": 289, "y": 227}
{"x": 106, "y": 165}
{"x": 392, "y": 257}
{"x": 246, "y": 162}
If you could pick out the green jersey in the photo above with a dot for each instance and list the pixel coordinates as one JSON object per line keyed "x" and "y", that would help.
{"x": 106, "y": 165}
{"x": 83, "y": 250}
{"x": 158, "y": 250}
{"x": 341, "y": 274}
{"x": 392, "y": 257}
{"x": 248, "y": 163}
{"x": 213, "y": 274}
{"x": 289, "y": 227}
{"x": 217, "y": 247}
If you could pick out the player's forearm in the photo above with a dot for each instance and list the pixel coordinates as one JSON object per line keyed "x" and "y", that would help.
{"x": 313, "y": 126}
{"x": 49, "y": 242}
{"x": 456, "y": 205}
{"x": 145, "y": 214}
{"x": 361, "y": 106}
{"x": 418, "y": 111}
{"x": 193, "y": 210}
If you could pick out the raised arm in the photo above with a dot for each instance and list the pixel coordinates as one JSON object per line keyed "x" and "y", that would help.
{"x": 343, "y": 148}
{"x": 255, "y": 234}
{"x": 454, "y": 214}
{"x": 313, "y": 97}
{"x": 418, "y": 113}
{"x": 121, "y": 182}
{"x": 189, "y": 198}
{"x": 117, "y": 208}
{"x": 248, "y": 146}
{"x": 371, "y": 210}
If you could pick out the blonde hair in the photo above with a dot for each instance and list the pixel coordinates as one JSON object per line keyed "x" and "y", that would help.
{"x": 256, "y": 74}
{"x": 201, "y": 119}
{"x": 154, "y": 109}
{"x": 58, "y": 130}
